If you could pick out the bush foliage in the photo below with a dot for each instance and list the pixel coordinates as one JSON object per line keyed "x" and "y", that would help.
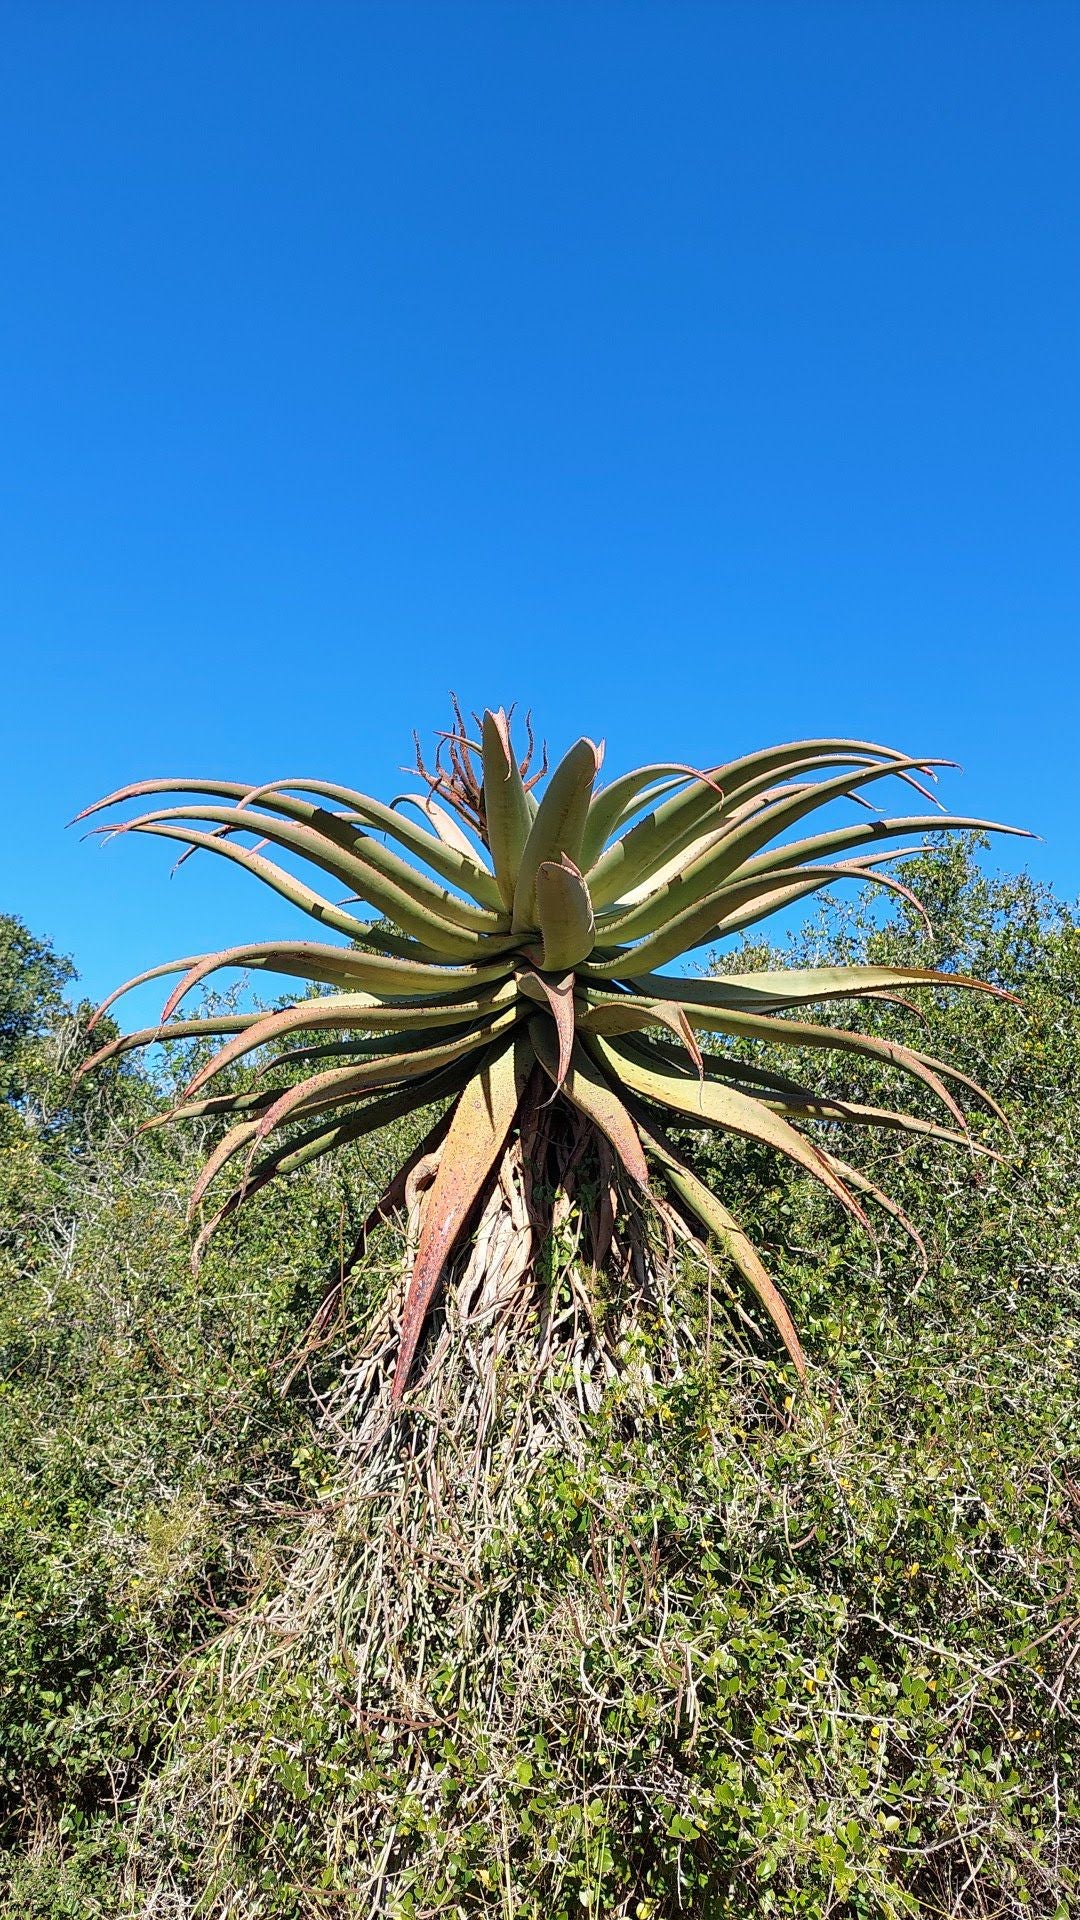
{"x": 731, "y": 1648}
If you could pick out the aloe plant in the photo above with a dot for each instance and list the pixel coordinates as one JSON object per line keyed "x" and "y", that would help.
{"x": 516, "y": 967}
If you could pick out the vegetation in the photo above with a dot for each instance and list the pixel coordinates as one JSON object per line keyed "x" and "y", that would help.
{"x": 537, "y": 973}
{"x": 664, "y": 1635}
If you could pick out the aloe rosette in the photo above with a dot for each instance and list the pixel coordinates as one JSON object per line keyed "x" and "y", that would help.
{"x": 517, "y": 961}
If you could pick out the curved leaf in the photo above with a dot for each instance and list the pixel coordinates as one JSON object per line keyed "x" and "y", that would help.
{"x": 628, "y": 1014}
{"x": 558, "y": 996}
{"x": 350, "y": 1010}
{"x": 852, "y": 1177}
{"x": 301, "y": 1151}
{"x": 617, "y": 803}
{"x": 738, "y": 903}
{"x": 591, "y": 1091}
{"x": 771, "y": 992}
{"x": 383, "y": 1071}
{"x": 450, "y": 864}
{"x": 449, "y": 854}
{"x": 615, "y": 1016}
{"x": 715, "y": 1218}
{"x": 330, "y": 966}
{"x": 160, "y": 1035}
{"x": 556, "y": 832}
{"x": 416, "y": 904}
{"x": 295, "y": 891}
{"x": 444, "y": 824}
{"x": 565, "y": 914}
{"x": 481, "y": 1122}
{"x": 707, "y": 1103}
{"x": 507, "y": 809}
{"x": 712, "y": 798}
{"x": 719, "y": 861}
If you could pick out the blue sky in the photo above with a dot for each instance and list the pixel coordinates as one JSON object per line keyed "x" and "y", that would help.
{"x": 699, "y": 375}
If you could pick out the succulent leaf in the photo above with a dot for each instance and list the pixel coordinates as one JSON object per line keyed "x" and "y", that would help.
{"x": 556, "y": 833}
{"x": 565, "y": 915}
{"x": 507, "y": 812}
{"x": 482, "y": 1119}
{"x": 458, "y": 864}
{"x": 723, "y": 1226}
{"x": 710, "y": 800}
{"x": 617, "y": 803}
{"x": 586, "y": 1085}
{"x": 705, "y": 1102}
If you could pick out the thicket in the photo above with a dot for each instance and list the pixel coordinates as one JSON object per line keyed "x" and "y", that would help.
{"x": 716, "y": 1646}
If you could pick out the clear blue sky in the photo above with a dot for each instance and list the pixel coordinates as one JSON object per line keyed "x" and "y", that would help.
{"x": 699, "y": 374}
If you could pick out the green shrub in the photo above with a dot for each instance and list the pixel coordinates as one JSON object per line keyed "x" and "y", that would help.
{"x": 729, "y": 1649}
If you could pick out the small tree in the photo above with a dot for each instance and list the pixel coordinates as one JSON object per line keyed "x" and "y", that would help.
{"x": 32, "y": 1006}
{"x": 520, "y": 979}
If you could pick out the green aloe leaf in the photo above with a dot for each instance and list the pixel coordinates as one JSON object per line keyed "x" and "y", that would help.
{"x": 461, "y": 869}
{"x": 302, "y": 1149}
{"x": 617, "y": 803}
{"x": 299, "y": 894}
{"x": 214, "y": 1025}
{"x": 789, "y": 1097}
{"x": 446, "y": 851}
{"x": 722, "y": 1225}
{"x": 416, "y": 904}
{"x": 383, "y": 1071}
{"x": 739, "y": 903}
{"x": 215, "y": 1106}
{"x": 331, "y": 966}
{"x": 703, "y": 875}
{"x": 352, "y": 1010}
{"x": 752, "y": 895}
{"x": 671, "y": 869}
{"x": 853, "y": 1177}
{"x": 556, "y": 833}
{"x": 772, "y": 992}
{"x": 508, "y": 813}
{"x": 709, "y": 801}
{"x": 565, "y": 915}
{"x": 840, "y": 839}
{"x": 629, "y": 1014}
{"x": 448, "y": 831}
{"x": 803, "y": 1104}
{"x": 374, "y": 1112}
{"x": 307, "y": 960}
{"x": 704, "y": 1102}
{"x": 557, "y": 994}
{"x": 614, "y": 1016}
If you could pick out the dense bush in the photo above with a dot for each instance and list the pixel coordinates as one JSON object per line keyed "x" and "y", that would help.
{"x": 731, "y": 1649}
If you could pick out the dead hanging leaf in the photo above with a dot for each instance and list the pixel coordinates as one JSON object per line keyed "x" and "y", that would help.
{"x": 477, "y": 1134}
